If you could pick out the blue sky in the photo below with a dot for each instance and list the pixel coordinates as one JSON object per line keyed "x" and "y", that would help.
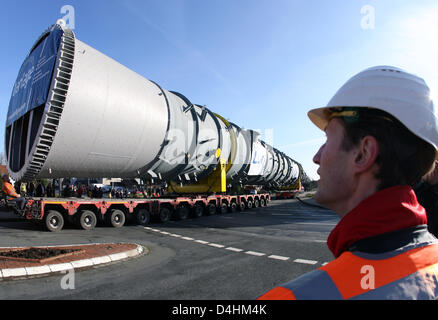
{"x": 261, "y": 64}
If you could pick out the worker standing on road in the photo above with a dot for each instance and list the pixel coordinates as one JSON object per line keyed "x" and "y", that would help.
{"x": 9, "y": 190}
{"x": 382, "y": 137}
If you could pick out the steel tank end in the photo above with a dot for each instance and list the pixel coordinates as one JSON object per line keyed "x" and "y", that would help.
{"x": 74, "y": 112}
{"x": 32, "y": 120}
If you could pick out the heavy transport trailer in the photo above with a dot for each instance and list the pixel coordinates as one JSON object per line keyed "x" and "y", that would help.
{"x": 53, "y": 213}
{"x": 289, "y": 192}
{"x": 285, "y": 194}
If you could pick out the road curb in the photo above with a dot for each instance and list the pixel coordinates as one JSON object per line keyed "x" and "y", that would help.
{"x": 24, "y": 272}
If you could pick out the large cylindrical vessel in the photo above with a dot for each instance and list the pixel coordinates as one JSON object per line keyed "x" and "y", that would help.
{"x": 74, "y": 112}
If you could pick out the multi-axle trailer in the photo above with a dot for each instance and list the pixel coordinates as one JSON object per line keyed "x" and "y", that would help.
{"x": 53, "y": 213}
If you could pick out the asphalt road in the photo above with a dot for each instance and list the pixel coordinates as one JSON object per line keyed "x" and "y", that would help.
{"x": 227, "y": 256}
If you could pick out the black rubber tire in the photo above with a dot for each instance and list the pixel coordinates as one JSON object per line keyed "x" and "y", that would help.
{"x": 223, "y": 208}
{"x": 142, "y": 217}
{"x": 87, "y": 219}
{"x": 262, "y": 203}
{"x": 165, "y": 214}
{"x": 233, "y": 207}
{"x": 210, "y": 209}
{"x": 198, "y": 211}
{"x": 241, "y": 206}
{"x": 182, "y": 213}
{"x": 116, "y": 218}
{"x": 249, "y": 204}
{"x": 256, "y": 203}
{"x": 54, "y": 221}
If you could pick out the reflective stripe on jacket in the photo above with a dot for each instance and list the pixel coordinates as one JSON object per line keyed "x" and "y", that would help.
{"x": 409, "y": 272}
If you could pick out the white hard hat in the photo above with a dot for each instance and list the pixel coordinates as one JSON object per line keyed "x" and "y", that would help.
{"x": 401, "y": 94}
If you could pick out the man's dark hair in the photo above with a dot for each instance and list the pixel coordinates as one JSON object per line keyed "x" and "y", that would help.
{"x": 403, "y": 157}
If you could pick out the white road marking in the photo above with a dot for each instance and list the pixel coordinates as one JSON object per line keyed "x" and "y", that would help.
{"x": 175, "y": 235}
{"x": 234, "y": 249}
{"x": 305, "y": 261}
{"x": 278, "y": 257}
{"x": 201, "y": 241}
{"x": 216, "y": 245}
{"x": 254, "y": 253}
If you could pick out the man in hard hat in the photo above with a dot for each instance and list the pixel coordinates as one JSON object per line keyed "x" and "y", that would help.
{"x": 9, "y": 190}
{"x": 382, "y": 137}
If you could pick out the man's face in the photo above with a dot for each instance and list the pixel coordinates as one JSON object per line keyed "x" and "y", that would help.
{"x": 335, "y": 169}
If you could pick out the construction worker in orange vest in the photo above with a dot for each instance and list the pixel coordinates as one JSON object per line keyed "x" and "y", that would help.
{"x": 9, "y": 190}
{"x": 382, "y": 137}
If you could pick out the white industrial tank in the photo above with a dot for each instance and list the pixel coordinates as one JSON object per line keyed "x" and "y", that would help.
{"x": 74, "y": 112}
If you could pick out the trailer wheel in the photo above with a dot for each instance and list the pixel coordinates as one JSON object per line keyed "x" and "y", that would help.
{"x": 165, "y": 214}
{"x": 87, "y": 220}
{"x": 223, "y": 208}
{"x": 198, "y": 210}
{"x": 262, "y": 202}
{"x": 233, "y": 207}
{"x": 54, "y": 221}
{"x": 256, "y": 203}
{"x": 249, "y": 204}
{"x": 142, "y": 217}
{"x": 182, "y": 213}
{"x": 116, "y": 218}
{"x": 242, "y": 206}
{"x": 210, "y": 209}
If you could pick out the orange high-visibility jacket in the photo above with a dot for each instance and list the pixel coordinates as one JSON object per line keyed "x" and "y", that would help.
{"x": 408, "y": 273}
{"x": 383, "y": 250}
{"x": 9, "y": 189}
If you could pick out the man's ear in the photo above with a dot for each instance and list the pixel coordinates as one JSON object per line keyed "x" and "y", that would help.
{"x": 366, "y": 154}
